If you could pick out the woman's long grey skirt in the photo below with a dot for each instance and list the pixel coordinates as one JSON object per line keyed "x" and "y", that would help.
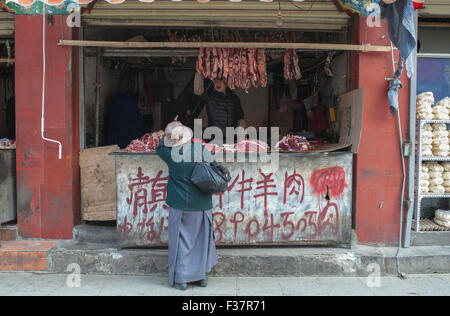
{"x": 192, "y": 251}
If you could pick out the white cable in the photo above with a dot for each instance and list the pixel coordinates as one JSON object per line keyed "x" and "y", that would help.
{"x": 43, "y": 85}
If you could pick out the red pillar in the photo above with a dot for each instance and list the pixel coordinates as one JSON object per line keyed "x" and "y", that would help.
{"x": 46, "y": 186}
{"x": 378, "y": 162}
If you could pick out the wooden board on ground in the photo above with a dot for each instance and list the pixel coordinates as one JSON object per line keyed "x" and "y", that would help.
{"x": 98, "y": 183}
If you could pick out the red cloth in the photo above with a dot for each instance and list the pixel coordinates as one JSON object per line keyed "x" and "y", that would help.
{"x": 318, "y": 122}
{"x": 417, "y": 5}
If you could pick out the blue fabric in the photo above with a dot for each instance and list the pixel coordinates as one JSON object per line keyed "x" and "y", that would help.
{"x": 394, "y": 85}
{"x": 192, "y": 250}
{"x": 400, "y": 17}
{"x": 125, "y": 120}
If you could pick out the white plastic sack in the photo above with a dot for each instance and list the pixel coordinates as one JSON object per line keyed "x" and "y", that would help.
{"x": 443, "y": 215}
{"x": 437, "y": 189}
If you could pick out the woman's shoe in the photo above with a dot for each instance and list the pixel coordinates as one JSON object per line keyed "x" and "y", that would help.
{"x": 180, "y": 286}
{"x": 204, "y": 282}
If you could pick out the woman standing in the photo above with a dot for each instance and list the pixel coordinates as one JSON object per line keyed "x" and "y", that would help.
{"x": 192, "y": 251}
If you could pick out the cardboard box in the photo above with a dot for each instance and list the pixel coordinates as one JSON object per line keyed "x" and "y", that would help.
{"x": 98, "y": 183}
{"x": 350, "y": 116}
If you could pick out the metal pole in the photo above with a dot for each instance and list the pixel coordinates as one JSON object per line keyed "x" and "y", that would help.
{"x": 97, "y": 98}
{"x": 412, "y": 142}
{"x": 397, "y": 259}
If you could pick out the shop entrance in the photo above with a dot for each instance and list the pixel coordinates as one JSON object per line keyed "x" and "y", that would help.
{"x": 299, "y": 94}
{"x": 8, "y": 213}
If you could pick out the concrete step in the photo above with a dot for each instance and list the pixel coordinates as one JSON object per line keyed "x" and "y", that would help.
{"x": 8, "y": 232}
{"x": 255, "y": 262}
{"x": 95, "y": 233}
{"x": 428, "y": 238}
{"x": 24, "y": 255}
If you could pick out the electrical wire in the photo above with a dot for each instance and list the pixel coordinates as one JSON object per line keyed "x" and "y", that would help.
{"x": 43, "y": 86}
{"x": 298, "y": 7}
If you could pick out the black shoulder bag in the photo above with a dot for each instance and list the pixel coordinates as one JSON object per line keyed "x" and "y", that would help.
{"x": 210, "y": 177}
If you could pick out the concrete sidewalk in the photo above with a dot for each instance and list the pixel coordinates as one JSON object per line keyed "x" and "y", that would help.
{"x": 94, "y": 258}
{"x": 31, "y": 284}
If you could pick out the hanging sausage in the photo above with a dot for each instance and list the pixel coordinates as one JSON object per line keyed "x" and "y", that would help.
{"x": 238, "y": 67}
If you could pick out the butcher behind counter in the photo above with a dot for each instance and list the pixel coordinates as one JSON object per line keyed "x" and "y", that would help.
{"x": 223, "y": 107}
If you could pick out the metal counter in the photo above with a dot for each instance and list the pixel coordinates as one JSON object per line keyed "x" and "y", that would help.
{"x": 7, "y": 185}
{"x": 305, "y": 200}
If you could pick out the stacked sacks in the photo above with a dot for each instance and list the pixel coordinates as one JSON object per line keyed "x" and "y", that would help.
{"x": 427, "y": 140}
{"x": 440, "y": 146}
{"x": 423, "y": 106}
{"x": 435, "y": 181}
{"x": 446, "y": 176}
{"x": 424, "y": 177}
{"x": 440, "y": 111}
{"x": 444, "y": 103}
{"x": 442, "y": 218}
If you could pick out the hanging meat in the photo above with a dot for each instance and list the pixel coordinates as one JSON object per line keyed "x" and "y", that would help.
{"x": 262, "y": 67}
{"x": 214, "y": 64}
{"x": 297, "y": 72}
{"x": 253, "y": 67}
{"x": 287, "y": 65}
{"x": 327, "y": 66}
{"x": 220, "y": 64}
{"x": 291, "y": 66}
{"x": 230, "y": 79}
{"x": 208, "y": 63}
{"x": 200, "y": 61}
{"x": 238, "y": 67}
{"x": 225, "y": 55}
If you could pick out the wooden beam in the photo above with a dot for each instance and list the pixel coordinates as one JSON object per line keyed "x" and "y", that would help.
{"x": 218, "y": 5}
{"x": 433, "y": 24}
{"x": 142, "y": 14}
{"x": 259, "y": 25}
{"x": 176, "y": 45}
{"x": 114, "y": 52}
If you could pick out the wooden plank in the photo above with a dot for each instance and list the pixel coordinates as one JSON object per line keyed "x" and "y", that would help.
{"x": 98, "y": 183}
{"x": 221, "y": 5}
{"x": 150, "y": 53}
{"x": 224, "y": 25}
{"x": 6, "y": 25}
{"x": 313, "y": 22}
{"x": 5, "y": 60}
{"x": 306, "y": 46}
{"x": 440, "y": 10}
{"x": 6, "y": 15}
{"x": 434, "y": 24}
{"x": 215, "y": 13}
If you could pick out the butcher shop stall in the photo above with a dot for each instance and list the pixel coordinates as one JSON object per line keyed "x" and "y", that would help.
{"x": 291, "y": 179}
{"x": 8, "y": 212}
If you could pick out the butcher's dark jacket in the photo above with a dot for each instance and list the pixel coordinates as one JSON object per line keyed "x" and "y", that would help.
{"x": 125, "y": 120}
{"x": 223, "y": 110}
